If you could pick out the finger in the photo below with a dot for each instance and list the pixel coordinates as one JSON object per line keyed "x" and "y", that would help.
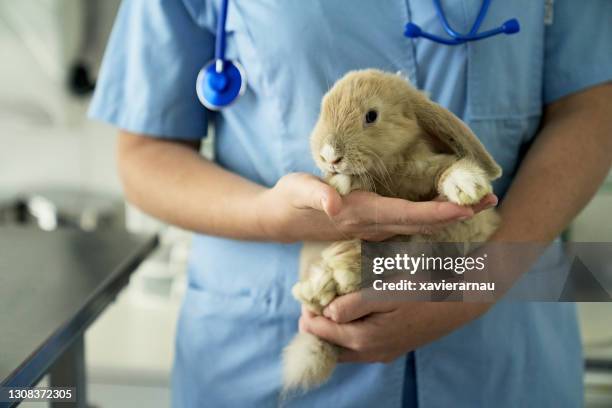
{"x": 351, "y": 307}
{"x": 304, "y": 318}
{"x": 385, "y": 210}
{"x": 487, "y": 202}
{"x": 307, "y": 312}
{"x": 402, "y": 229}
{"x": 490, "y": 200}
{"x": 411, "y": 229}
{"x": 352, "y": 356}
{"x": 302, "y": 324}
{"x": 381, "y": 232}
{"x": 339, "y": 334}
{"x": 376, "y": 235}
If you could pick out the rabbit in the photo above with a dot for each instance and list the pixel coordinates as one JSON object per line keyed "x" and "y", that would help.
{"x": 378, "y": 133}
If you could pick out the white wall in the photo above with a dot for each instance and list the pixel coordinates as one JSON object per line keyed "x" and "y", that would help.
{"x": 44, "y": 136}
{"x": 81, "y": 156}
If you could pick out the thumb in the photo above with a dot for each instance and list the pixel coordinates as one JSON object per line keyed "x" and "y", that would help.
{"x": 321, "y": 196}
{"x": 353, "y": 306}
{"x": 331, "y": 201}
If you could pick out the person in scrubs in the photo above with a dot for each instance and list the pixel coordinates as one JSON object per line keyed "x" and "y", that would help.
{"x": 539, "y": 100}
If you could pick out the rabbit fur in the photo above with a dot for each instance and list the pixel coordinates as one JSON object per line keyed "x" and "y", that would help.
{"x": 415, "y": 150}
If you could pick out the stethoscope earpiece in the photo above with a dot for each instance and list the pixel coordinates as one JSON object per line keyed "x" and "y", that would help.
{"x": 219, "y": 84}
{"x": 511, "y": 26}
{"x": 412, "y": 30}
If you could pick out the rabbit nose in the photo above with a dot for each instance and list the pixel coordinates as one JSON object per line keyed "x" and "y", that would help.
{"x": 329, "y": 154}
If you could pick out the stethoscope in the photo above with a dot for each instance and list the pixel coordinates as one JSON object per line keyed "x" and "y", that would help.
{"x": 511, "y": 26}
{"x": 222, "y": 81}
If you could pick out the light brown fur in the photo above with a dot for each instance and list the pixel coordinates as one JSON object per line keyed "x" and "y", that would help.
{"x": 415, "y": 150}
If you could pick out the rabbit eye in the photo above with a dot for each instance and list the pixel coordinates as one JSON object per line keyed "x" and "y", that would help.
{"x": 371, "y": 116}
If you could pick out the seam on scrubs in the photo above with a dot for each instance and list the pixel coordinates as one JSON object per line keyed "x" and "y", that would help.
{"x": 419, "y": 398}
{"x": 421, "y": 359}
{"x": 197, "y": 11}
{"x": 399, "y": 380}
{"x": 249, "y": 35}
{"x": 411, "y": 64}
{"x": 271, "y": 96}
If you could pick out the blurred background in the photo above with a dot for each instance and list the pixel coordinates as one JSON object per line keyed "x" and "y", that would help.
{"x": 57, "y": 170}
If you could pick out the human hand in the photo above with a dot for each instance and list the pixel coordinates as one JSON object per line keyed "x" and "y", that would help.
{"x": 303, "y": 207}
{"x": 380, "y": 331}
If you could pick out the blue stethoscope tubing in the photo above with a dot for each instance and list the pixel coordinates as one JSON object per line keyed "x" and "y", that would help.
{"x": 511, "y": 26}
{"x": 221, "y": 81}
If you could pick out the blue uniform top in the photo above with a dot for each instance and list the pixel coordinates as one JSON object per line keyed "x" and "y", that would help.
{"x": 238, "y": 312}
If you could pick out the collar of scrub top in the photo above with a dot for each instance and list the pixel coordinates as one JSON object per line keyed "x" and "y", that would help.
{"x": 221, "y": 81}
{"x": 511, "y": 26}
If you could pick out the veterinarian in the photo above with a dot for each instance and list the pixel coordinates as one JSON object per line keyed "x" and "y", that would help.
{"x": 543, "y": 88}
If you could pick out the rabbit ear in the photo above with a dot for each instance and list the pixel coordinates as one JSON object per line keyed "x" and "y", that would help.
{"x": 442, "y": 124}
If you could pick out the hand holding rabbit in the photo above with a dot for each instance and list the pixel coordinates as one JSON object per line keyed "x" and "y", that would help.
{"x": 307, "y": 208}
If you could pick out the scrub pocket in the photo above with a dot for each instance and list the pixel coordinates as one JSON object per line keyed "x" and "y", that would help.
{"x": 504, "y": 84}
{"x": 228, "y": 354}
{"x": 228, "y": 351}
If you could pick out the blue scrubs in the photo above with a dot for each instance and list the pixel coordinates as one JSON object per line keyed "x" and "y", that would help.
{"x": 238, "y": 312}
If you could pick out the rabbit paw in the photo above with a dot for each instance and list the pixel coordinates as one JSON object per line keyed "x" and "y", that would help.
{"x": 341, "y": 182}
{"x": 338, "y": 272}
{"x": 343, "y": 259}
{"x": 464, "y": 183}
{"x": 317, "y": 290}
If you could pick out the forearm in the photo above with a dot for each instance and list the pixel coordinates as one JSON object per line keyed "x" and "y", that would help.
{"x": 172, "y": 182}
{"x": 568, "y": 161}
{"x": 563, "y": 169}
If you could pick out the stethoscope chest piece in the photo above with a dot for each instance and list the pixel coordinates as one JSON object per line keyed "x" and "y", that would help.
{"x": 220, "y": 83}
